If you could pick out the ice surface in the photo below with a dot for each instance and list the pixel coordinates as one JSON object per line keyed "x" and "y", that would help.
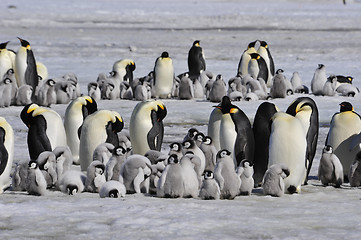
{"x": 86, "y": 37}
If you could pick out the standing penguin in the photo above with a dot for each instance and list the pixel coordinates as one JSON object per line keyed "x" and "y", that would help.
{"x": 210, "y": 153}
{"x": 330, "y": 170}
{"x": 263, "y": 51}
{"x": 279, "y": 87}
{"x": 245, "y": 58}
{"x": 214, "y": 127}
{"x": 125, "y": 69}
{"x": 5, "y": 92}
{"x": 288, "y": 146}
{"x": 35, "y": 181}
{"x": 218, "y": 89}
{"x": 186, "y": 89}
{"x": 7, "y": 59}
{"x": 226, "y": 176}
{"x": 46, "y": 94}
{"x": 319, "y": 79}
{"x": 344, "y": 126}
{"x": 46, "y": 129}
{"x": 196, "y": 62}
{"x": 75, "y": 114}
{"x": 95, "y": 177}
{"x": 146, "y": 126}
{"x": 112, "y": 168}
{"x": 329, "y": 88}
{"x": 262, "y": 132}
{"x": 99, "y": 127}
{"x": 190, "y": 178}
{"x": 257, "y": 68}
{"x": 6, "y": 153}
{"x": 191, "y": 146}
{"x": 163, "y": 77}
{"x": 170, "y": 184}
{"x": 245, "y": 172}
{"x": 94, "y": 90}
{"x": 209, "y": 189}
{"x": 273, "y": 183}
{"x": 305, "y": 109}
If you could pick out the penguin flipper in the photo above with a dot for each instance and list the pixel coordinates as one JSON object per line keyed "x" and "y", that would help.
{"x": 4, "y": 155}
{"x": 138, "y": 180}
{"x": 31, "y": 75}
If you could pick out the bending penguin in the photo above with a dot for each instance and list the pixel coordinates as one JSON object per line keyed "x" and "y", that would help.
{"x": 146, "y": 128}
{"x": 112, "y": 189}
{"x": 6, "y": 153}
{"x": 273, "y": 183}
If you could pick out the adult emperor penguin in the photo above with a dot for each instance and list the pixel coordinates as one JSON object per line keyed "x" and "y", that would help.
{"x": 214, "y": 127}
{"x": 305, "y": 109}
{"x": 25, "y": 65}
{"x": 273, "y": 182}
{"x": 46, "y": 129}
{"x": 196, "y": 62}
{"x": 35, "y": 181}
{"x": 112, "y": 189}
{"x": 344, "y": 126}
{"x": 7, "y": 59}
{"x": 99, "y": 127}
{"x": 245, "y": 58}
{"x": 75, "y": 114}
{"x": 209, "y": 189}
{"x": 288, "y": 149}
{"x": 146, "y": 126}
{"x": 319, "y": 79}
{"x": 170, "y": 184}
{"x": 264, "y": 52}
{"x": 244, "y": 143}
{"x": 6, "y": 153}
{"x": 330, "y": 170}
{"x": 262, "y": 132}
{"x": 257, "y": 68}
{"x": 163, "y": 77}
{"x": 125, "y": 69}
{"x": 354, "y": 175}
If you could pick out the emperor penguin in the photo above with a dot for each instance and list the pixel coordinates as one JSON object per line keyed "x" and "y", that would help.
{"x": 112, "y": 189}
{"x": 245, "y": 172}
{"x": 263, "y": 50}
{"x": 226, "y": 176}
{"x": 47, "y": 164}
{"x": 214, "y": 127}
{"x": 94, "y": 91}
{"x": 288, "y": 149}
{"x": 25, "y": 66}
{"x": 218, "y": 89}
{"x": 245, "y": 58}
{"x": 191, "y": 134}
{"x": 190, "y": 178}
{"x": 196, "y": 62}
{"x": 244, "y": 143}
{"x": 5, "y": 92}
{"x": 210, "y": 153}
{"x": 146, "y": 126}
{"x": 319, "y": 79}
{"x": 20, "y": 175}
{"x": 209, "y": 189}
{"x": 163, "y": 77}
{"x": 344, "y": 127}
{"x": 35, "y": 181}
{"x": 191, "y": 146}
{"x": 135, "y": 173}
{"x": 186, "y": 89}
{"x": 329, "y": 88}
{"x": 262, "y": 131}
{"x": 279, "y": 85}
{"x": 75, "y": 114}
{"x": 112, "y": 168}
{"x": 95, "y": 177}
{"x": 177, "y": 149}
{"x": 305, "y": 109}
{"x": 99, "y": 127}
{"x": 125, "y": 69}
{"x": 103, "y": 152}
{"x": 72, "y": 182}
{"x": 23, "y": 95}
{"x": 257, "y": 68}
{"x": 64, "y": 159}
{"x": 46, "y": 129}
{"x": 354, "y": 175}
{"x": 46, "y": 94}
{"x": 6, "y": 153}
{"x": 7, "y": 59}
{"x": 273, "y": 182}
{"x": 170, "y": 184}
{"x": 330, "y": 171}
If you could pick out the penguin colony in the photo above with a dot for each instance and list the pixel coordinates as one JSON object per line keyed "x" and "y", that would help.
{"x": 233, "y": 158}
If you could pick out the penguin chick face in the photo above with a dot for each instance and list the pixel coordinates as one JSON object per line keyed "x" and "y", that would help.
{"x": 320, "y": 66}
{"x": 199, "y": 137}
{"x": 113, "y": 193}
{"x": 346, "y": 106}
{"x": 246, "y": 164}
{"x": 188, "y": 144}
{"x": 223, "y": 153}
{"x": 119, "y": 151}
{"x": 173, "y": 159}
{"x": 208, "y": 175}
{"x": 72, "y": 189}
{"x": 175, "y": 147}
{"x": 207, "y": 140}
{"x": 327, "y": 149}
{"x": 192, "y": 132}
{"x": 285, "y": 173}
{"x": 279, "y": 71}
{"x": 50, "y": 82}
{"x": 33, "y": 164}
{"x": 99, "y": 169}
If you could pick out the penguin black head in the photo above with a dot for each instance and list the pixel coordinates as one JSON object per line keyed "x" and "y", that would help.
{"x": 161, "y": 112}
{"x": 208, "y": 174}
{"x": 226, "y": 106}
{"x": 114, "y": 193}
{"x": 165, "y": 55}
{"x": 199, "y": 137}
{"x": 246, "y": 163}
{"x": 50, "y": 82}
{"x": 32, "y": 164}
{"x": 346, "y": 106}
{"x": 117, "y": 125}
{"x": 173, "y": 159}
{"x": 279, "y": 71}
{"x": 196, "y": 43}
{"x": 219, "y": 76}
{"x": 188, "y": 144}
{"x": 252, "y": 44}
{"x": 223, "y": 153}
{"x": 207, "y": 140}
{"x": 7, "y": 81}
{"x": 3, "y": 45}
{"x": 192, "y": 132}
{"x": 131, "y": 66}
{"x": 26, "y": 113}
{"x": 24, "y": 43}
{"x": 72, "y": 189}
{"x": 118, "y": 151}
{"x": 320, "y": 66}
{"x": 255, "y": 56}
{"x": 175, "y": 146}
{"x": 91, "y": 105}
{"x": 10, "y": 71}
{"x": 99, "y": 168}
{"x": 327, "y": 149}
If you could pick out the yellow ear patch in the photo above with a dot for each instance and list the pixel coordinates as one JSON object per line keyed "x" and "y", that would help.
{"x": 89, "y": 99}
{"x": 197, "y": 44}
{"x": 32, "y": 108}
{"x": 233, "y": 110}
{"x": 161, "y": 106}
{"x": 258, "y": 57}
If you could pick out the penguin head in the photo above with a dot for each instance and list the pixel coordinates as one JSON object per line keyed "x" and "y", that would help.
{"x": 350, "y": 78}
{"x": 263, "y": 44}
{"x": 219, "y": 77}
{"x": 252, "y": 44}
{"x": 119, "y": 151}
{"x": 327, "y": 149}
{"x": 90, "y": 105}
{"x": 246, "y": 163}
{"x": 196, "y": 43}
{"x": 279, "y": 71}
{"x": 188, "y": 144}
{"x": 208, "y": 174}
{"x": 332, "y": 78}
{"x": 173, "y": 159}
{"x": 346, "y": 106}
{"x": 207, "y": 140}
{"x": 320, "y": 65}
{"x": 226, "y": 106}
{"x": 161, "y": 112}
{"x": 114, "y": 193}
{"x": 24, "y": 43}
{"x": 223, "y": 153}
{"x": 164, "y": 55}
{"x": 26, "y": 113}
{"x": 255, "y": 56}
{"x": 192, "y": 132}
{"x": 50, "y": 82}
{"x": 33, "y": 164}
{"x": 3, "y": 45}
{"x": 7, "y": 81}
{"x": 72, "y": 189}
{"x": 99, "y": 168}
{"x": 175, "y": 147}
{"x": 117, "y": 123}
{"x": 199, "y": 137}
{"x": 131, "y": 66}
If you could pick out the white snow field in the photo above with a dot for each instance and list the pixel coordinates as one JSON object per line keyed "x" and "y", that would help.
{"x": 87, "y": 36}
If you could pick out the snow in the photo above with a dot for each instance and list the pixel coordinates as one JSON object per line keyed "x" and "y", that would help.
{"x": 86, "y": 37}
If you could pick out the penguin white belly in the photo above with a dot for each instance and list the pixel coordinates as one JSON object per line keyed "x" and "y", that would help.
{"x": 244, "y": 63}
{"x": 164, "y": 72}
{"x": 288, "y": 146}
{"x": 228, "y": 133}
{"x": 253, "y": 68}
{"x": 139, "y": 126}
{"x": 55, "y": 129}
{"x": 20, "y": 66}
{"x": 214, "y": 126}
{"x": 263, "y": 53}
{"x": 9, "y": 145}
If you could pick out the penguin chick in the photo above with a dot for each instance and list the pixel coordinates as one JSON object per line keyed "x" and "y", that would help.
{"x": 47, "y": 164}
{"x": 20, "y": 175}
{"x": 192, "y": 132}
{"x": 72, "y": 182}
{"x": 190, "y": 178}
{"x": 319, "y": 79}
{"x": 273, "y": 183}
{"x": 199, "y": 138}
{"x": 94, "y": 90}
{"x": 95, "y": 177}
{"x": 191, "y": 146}
{"x": 218, "y": 89}
{"x": 329, "y": 89}
{"x": 210, "y": 153}
{"x": 209, "y": 189}
{"x": 170, "y": 184}
{"x": 5, "y": 92}
{"x": 103, "y": 152}
{"x": 47, "y": 95}
{"x": 23, "y": 95}
{"x": 330, "y": 171}
{"x": 35, "y": 181}
{"x": 186, "y": 89}
{"x": 112, "y": 189}
{"x": 112, "y": 168}
{"x": 245, "y": 172}
{"x": 354, "y": 175}
{"x": 64, "y": 160}
{"x": 279, "y": 87}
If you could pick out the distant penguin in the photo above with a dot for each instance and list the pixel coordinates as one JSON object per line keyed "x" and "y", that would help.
{"x": 190, "y": 179}
{"x": 330, "y": 171}
{"x": 19, "y": 176}
{"x": 196, "y": 62}
{"x": 319, "y": 79}
{"x": 297, "y": 84}
{"x": 141, "y": 92}
{"x": 72, "y": 182}
{"x": 35, "y": 182}
{"x": 218, "y": 90}
{"x": 245, "y": 58}
{"x": 94, "y": 91}
{"x": 47, "y": 95}
{"x": 112, "y": 168}
{"x": 23, "y": 95}
{"x": 125, "y": 69}
{"x": 6, "y": 153}
{"x": 264, "y": 52}
{"x": 257, "y": 68}
{"x": 305, "y": 109}
{"x": 99, "y": 127}
{"x": 163, "y": 77}
{"x": 354, "y": 175}
{"x": 170, "y": 184}
{"x": 5, "y": 92}
{"x": 74, "y": 117}
{"x": 226, "y": 176}
{"x": 186, "y": 89}
{"x": 209, "y": 189}
{"x": 344, "y": 126}
{"x": 112, "y": 189}
{"x": 289, "y": 149}
{"x": 64, "y": 91}
{"x": 329, "y": 88}
{"x": 262, "y": 132}
{"x": 103, "y": 152}
{"x": 210, "y": 153}
{"x": 273, "y": 181}
{"x": 279, "y": 86}
{"x": 135, "y": 173}
{"x": 245, "y": 172}
{"x": 347, "y": 90}
{"x": 25, "y": 65}
{"x": 46, "y": 129}
{"x": 146, "y": 126}
{"x": 191, "y": 146}
{"x": 7, "y": 58}
{"x": 95, "y": 177}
